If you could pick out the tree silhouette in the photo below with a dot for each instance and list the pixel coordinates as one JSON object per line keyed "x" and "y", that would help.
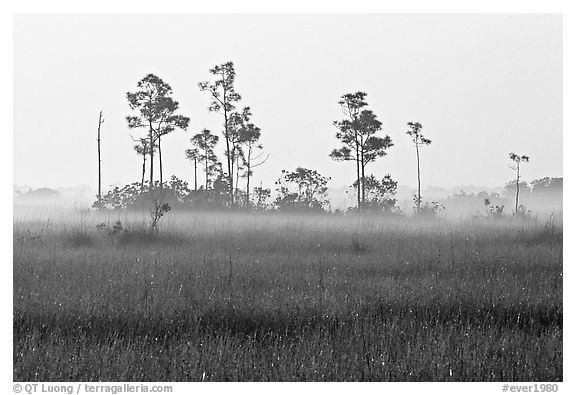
{"x": 156, "y": 112}
{"x": 380, "y": 194}
{"x": 194, "y": 155}
{"x": 517, "y": 159}
{"x": 237, "y": 122}
{"x": 100, "y": 122}
{"x": 371, "y": 147}
{"x": 143, "y": 149}
{"x": 171, "y": 122}
{"x": 261, "y": 196}
{"x": 360, "y": 144}
{"x": 352, "y": 104}
{"x": 224, "y": 97}
{"x": 302, "y": 189}
{"x": 252, "y": 155}
{"x": 204, "y": 142}
{"x": 419, "y": 140}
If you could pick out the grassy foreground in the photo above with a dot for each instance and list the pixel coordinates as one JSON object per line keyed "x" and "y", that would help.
{"x": 253, "y": 298}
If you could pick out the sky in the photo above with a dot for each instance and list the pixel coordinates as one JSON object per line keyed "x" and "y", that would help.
{"x": 482, "y": 85}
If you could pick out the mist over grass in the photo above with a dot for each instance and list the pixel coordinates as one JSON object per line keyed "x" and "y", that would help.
{"x": 252, "y": 297}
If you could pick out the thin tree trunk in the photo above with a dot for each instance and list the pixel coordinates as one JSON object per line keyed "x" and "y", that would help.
{"x": 418, "y": 166}
{"x": 517, "y": 185}
{"x": 363, "y": 176}
{"x": 358, "y": 177}
{"x": 206, "y": 168}
{"x": 100, "y": 121}
{"x": 237, "y": 173}
{"x": 151, "y": 159}
{"x": 195, "y": 176}
{"x": 248, "y": 190}
{"x": 363, "y": 165}
{"x": 248, "y": 178}
{"x": 226, "y": 134}
{"x": 160, "y": 159}
{"x": 143, "y": 170}
{"x": 228, "y": 157}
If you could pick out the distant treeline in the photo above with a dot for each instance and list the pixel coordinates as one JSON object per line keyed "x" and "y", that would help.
{"x": 544, "y": 194}
{"x": 226, "y": 184}
{"x": 541, "y": 195}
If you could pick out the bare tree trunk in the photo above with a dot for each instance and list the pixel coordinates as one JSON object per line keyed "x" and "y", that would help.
{"x": 228, "y": 156}
{"x": 248, "y": 179}
{"x": 517, "y": 186}
{"x": 358, "y": 178}
{"x": 143, "y": 170}
{"x": 100, "y": 122}
{"x": 206, "y": 168}
{"x": 160, "y": 159}
{"x": 419, "y": 201}
{"x": 363, "y": 166}
{"x": 195, "y": 175}
{"x": 151, "y": 136}
{"x": 237, "y": 174}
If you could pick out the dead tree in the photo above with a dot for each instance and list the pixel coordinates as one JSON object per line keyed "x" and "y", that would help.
{"x": 100, "y": 122}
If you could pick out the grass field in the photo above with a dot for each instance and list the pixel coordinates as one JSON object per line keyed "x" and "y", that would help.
{"x": 275, "y": 298}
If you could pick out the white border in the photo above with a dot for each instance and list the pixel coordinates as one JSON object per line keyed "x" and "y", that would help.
{"x": 9, "y": 8}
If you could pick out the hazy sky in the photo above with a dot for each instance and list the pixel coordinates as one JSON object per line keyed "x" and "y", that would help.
{"x": 481, "y": 85}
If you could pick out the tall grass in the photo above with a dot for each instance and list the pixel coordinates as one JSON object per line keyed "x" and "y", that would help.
{"x": 268, "y": 297}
